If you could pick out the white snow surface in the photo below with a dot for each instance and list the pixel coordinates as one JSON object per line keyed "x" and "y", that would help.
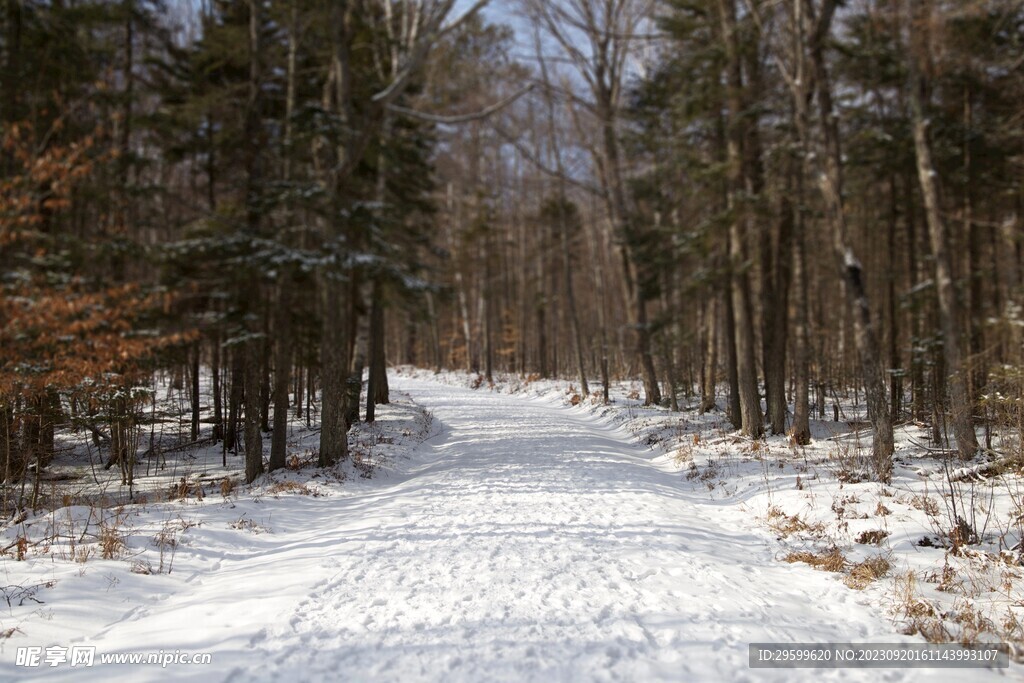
{"x": 523, "y": 541}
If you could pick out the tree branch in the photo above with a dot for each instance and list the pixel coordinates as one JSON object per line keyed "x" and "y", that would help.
{"x": 456, "y": 119}
{"x": 540, "y": 166}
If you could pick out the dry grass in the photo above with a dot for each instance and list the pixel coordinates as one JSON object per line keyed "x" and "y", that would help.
{"x": 683, "y": 455}
{"x": 872, "y": 537}
{"x": 831, "y": 560}
{"x": 82, "y": 554}
{"x": 143, "y": 567}
{"x": 865, "y": 573}
{"x": 926, "y": 505}
{"x": 184, "y": 489}
{"x": 921, "y": 618}
{"x": 245, "y": 524}
{"x": 111, "y": 542}
{"x": 712, "y": 471}
{"x": 787, "y": 525}
{"x": 962, "y": 534}
{"x": 279, "y": 487}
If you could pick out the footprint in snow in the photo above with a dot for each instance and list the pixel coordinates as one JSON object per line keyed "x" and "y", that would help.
{"x": 258, "y": 638}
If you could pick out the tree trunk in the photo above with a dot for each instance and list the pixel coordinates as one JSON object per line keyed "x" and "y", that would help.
{"x": 961, "y": 413}
{"x": 266, "y": 395}
{"x": 7, "y": 465}
{"x": 254, "y": 179}
{"x": 215, "y": 370}
{"x": 634, "y": 296}
{"x": 253, "y": 434}
{"x": 125, "y": 124}
{"x": 652, "y": 391}
{"x": 751, "y": 421}
{"x": 563, "y": 233}
{"x": 895, "y": 374}
{"x": 776, "y": 318}
{"x": 435, "y": 333}
{"x": 300, "y": 387}
{"x": 467, "y": 335}
{"x": 735, "y": 412}
{"x": 542, "y": 334}
{"x": 801, "y": 345}
{"x": 709, "y": 362}
{"x": 195, "y": 397}
{"x": 283, "y": 345}
{"x": 377, "y": 389}
{"x": 282, "y": 376}
{"x": 865, "y": 333}
{"x": 574, "y": 316}
{"x": 358, "y": 343}
{"x": 486, "y": 308}
{"x": 333, "y": 375}
{"x": 12, "y": 66}
{"x": 235, "y": 397}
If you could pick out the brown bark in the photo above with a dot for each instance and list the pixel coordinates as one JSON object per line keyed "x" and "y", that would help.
{"x": 801, "y": 430}
{"x": 831, "y": 184}
{"x": 751, "y": 421}
{"x": 254, "y": 179}
{"x": 333, "y": 374}
{"x": 194, "y": 393}
{"x": 215, "y": 370}
{"x": 377, "y": 389}
{"x": 709, "y": 364}
{"x": 961, "y": 414}
{"x": 735, "y": 409}
{"x": 253, "y": 434}
{"x": 282, "y": 375}
{"x": 775, "y": 326}
{"x": 235, "y": 396}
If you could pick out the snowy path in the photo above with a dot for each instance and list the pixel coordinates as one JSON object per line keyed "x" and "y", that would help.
{"x": 531, "y": 542}
{"x": 540, "y": 545}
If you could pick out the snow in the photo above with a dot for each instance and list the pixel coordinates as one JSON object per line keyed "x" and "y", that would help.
{"x": 522, "y": 540}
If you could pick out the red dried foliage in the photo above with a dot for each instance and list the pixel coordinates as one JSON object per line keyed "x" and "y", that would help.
{"x": 68, "y": 337}
{"x": 68, "y": 340}
{"x": 43, "y": 180}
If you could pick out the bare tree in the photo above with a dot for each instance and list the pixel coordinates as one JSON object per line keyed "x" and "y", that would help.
{"x": 752, "y": 422}
{"x": 598, "y": 37}
{"x": 950, "y": 313}
{"x": 819, "y": 21}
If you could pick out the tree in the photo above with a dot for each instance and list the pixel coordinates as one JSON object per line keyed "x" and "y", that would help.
{"x": 609, "y": 30}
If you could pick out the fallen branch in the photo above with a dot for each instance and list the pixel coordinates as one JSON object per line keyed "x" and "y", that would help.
{"x": 986, "y": 469}
{"x": 847, "y": 435}
{"x": 732, "y": 439}
{"x": 945, "y": 452}
{"x": 158, "y": 449}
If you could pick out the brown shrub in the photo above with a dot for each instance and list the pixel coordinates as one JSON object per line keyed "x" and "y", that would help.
{"x": 864, "y": 573}
{"x": 872, "y": 537}
{"x": 829, "y": 561}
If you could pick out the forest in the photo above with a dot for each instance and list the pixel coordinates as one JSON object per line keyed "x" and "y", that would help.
{"x": 766, "y": 207}
{"x": 527, "y": 340}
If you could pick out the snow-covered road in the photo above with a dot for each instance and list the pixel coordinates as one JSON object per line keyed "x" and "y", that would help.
{"x": 526, "y": 541}
{"x": 539, "y": 544}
